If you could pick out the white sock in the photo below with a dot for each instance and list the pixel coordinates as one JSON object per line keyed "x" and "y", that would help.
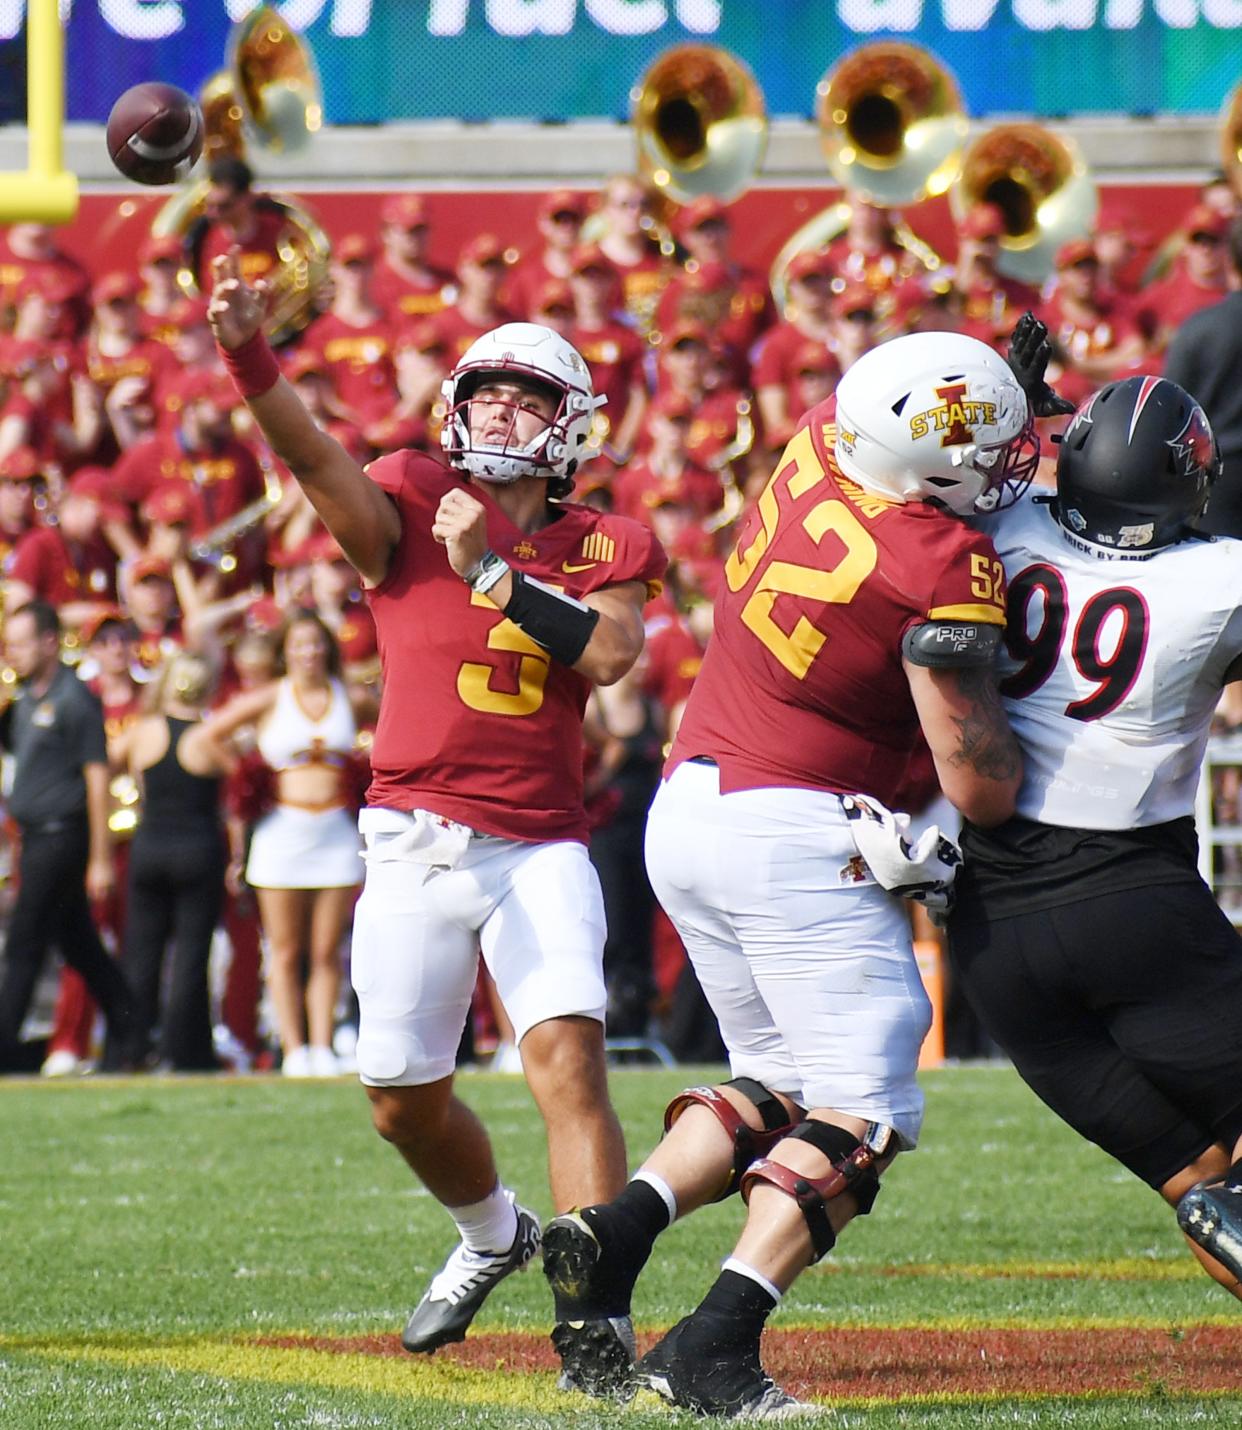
{"x": 661, "y": 1189}
{"x": 731, "y": 1263}
{"x": 489, "y": 1225}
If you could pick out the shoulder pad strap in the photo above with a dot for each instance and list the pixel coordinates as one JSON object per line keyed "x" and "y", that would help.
{"x": 948, "y": 645}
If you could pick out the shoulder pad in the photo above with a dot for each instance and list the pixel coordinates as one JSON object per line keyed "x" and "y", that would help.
{"x": 946, "y": 645}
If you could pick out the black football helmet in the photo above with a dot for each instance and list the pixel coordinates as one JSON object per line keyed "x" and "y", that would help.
{"x": 1135, "y": 465}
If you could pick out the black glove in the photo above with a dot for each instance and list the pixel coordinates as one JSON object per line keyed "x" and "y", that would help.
{"x": 1029, "y": 352}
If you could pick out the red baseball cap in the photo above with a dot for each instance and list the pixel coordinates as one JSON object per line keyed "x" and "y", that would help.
{"x": 1203, "y": 218}
{"x": 485, "y": 248}
{"x": 303, "y": 362}
{"x": 53, "y": 285}
{"x": 686, "y": 330}
{"x": 1077, "y": 250}
{"x": 562, "y": 201}
{"x": 814, "y": 261}
{"x": 172, "y": 504}
{"x": 265, "y": 614}
{"x": 150, "y": 568}
{"x": 89, "y": 629}
{"x": 553, "y": 294}
{"x": 814, "y": 357}
{"x": 404, "y": 211}
{"x": 588, "y": 256}
{"x": 159, "y": 248}
{"x": 113, "y": 286}
{"x": 983, "y": 221}
{"x": 853, "y": 298}
{"x": 210, "y": 387}
{"x": 423, "y": 337}
{"x": 21, "y": 465}
{"x": 705, "y": 209}
{"x": 354, "y": 248}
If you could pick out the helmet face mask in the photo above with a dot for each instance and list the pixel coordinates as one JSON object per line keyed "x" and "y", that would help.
{"x": 1135, "y": 466}
{"x": 530, "y": 356}
{"x": 936, "y": 417}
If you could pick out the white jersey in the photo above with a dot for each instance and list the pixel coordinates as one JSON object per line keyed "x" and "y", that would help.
{"x": 1113, "y": 666}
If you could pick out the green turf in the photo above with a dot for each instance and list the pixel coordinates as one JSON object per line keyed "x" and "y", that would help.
{"x": 175, "y": 1208}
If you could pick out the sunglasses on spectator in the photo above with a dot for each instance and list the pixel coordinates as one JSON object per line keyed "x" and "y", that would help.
{"x": 859, "y": 315}
{"x": 564, "y": 216}
{"x": 1201, "y": 237}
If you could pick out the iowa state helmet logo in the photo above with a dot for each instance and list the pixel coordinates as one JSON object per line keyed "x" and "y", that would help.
{"x": 955, "y": 419}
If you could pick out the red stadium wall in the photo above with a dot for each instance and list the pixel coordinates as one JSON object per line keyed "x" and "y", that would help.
{"x": 110, "y": 227}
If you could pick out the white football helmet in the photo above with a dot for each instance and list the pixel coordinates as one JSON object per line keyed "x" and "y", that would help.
{"x": 936, "y": 417}
{"x": 521, "y": 351}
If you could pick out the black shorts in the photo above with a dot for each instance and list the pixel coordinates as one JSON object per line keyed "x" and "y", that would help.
{"x": 1122, "y": 1011}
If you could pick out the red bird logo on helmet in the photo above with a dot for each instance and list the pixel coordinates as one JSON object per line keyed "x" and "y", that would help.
{"x": 1194, "y": 445}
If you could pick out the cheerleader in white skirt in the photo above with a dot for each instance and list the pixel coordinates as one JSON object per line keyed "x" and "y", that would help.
{"x": 304, "y": 863}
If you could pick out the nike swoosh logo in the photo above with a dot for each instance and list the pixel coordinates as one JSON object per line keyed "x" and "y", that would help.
{"x": 569, "y": 570}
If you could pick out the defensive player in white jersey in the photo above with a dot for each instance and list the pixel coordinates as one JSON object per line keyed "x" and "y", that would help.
{"x": 1083, "y": 934}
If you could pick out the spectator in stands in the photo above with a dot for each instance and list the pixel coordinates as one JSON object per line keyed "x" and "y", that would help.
{"x": 304, "y": 860}
{"x": 808, "y": 318}
{"x": 1205, "y": 357}
{"x": 69, "y": 565}
{"x": 666, "y": 469}
{"x": 613, "y": 351}
{"x": 161, "y": 300}
{"x": 482, "y": 267}
{"x": 554, "y": 307}
{"x": 33, "y": 253}
{"x": 176, "y": 876}
{"x": 625, "y": 230}
{"x": 235, "y": 217}
{"x": 407, "y": 285}
{"x": 987, "y": 301}
{"x": 54, "y": 730}
{"x": 420, "y": 355}
{"x": 854, "y": 325}
{"x": 689, "y": 366}
{"x": 50, "y": 403}
{"x": 354, "y": 337}
{"x": 1094, "y": 336}
{"x": 18, "y": 473}
{"x": 1198, "y": 277}
{"x": 868, "y": 253}
{"x": 152, "y": 601}
{"x": 559, "y": 221}
{"x": 815, "y": 374}
{"x": 743, "y": 306}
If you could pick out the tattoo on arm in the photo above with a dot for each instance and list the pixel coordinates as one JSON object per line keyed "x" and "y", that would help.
{"x": 985, "y": 742}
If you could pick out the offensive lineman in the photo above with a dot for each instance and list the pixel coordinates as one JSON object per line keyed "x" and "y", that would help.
{"x": 1083, "y": 934}
{"x": 474, "y": 828}
{"x": 859, "y": 608}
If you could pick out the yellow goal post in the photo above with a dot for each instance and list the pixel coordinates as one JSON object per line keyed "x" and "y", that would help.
{"x": 45, "y": 192}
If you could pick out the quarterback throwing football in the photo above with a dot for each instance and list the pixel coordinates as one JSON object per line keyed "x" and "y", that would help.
{"x": 496, "y": 606}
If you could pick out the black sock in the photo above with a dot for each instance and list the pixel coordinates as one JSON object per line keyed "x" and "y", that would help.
{"x": 732, "y": 1314}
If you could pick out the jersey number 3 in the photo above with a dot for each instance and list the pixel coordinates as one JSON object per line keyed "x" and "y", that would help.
{"x": 1114, "y": 672}
{"x": 474, "y": 678}
{"x": 798, "y": 472}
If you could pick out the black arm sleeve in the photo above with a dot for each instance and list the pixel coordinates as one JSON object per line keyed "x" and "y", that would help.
{"x": 559, "y": 623}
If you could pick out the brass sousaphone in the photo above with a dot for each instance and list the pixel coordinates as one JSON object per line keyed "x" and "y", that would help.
{"x": 892, "y": 127}
{"x": 268, "y": 97}
{"x": 1040, "y": 183}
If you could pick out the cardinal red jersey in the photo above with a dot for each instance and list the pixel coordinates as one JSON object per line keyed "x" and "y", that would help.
{"x": 407, "y": 298}
{"x": 225, "y": 479}
{"x": 257, "y": 255}
{"x": 614, "y": 355}
{"x": 477, "y": 723}
{"x": 802, "y": 685}
{"x": 458, "y": 332}
{"x": 59, "y": 572}
{"x": 359, "y": 363}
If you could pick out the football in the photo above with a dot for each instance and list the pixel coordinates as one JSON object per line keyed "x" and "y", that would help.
{"x": 155, "y": 133}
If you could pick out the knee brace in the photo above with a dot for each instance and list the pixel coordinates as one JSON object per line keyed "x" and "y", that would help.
{"x": 748, "y": 1144}
{"x": 851, "y": 1169}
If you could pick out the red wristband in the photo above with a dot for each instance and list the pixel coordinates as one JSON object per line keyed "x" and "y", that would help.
{"x": 253, "y": 366}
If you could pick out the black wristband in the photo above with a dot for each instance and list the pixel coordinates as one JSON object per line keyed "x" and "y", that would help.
{"x": 553, "y": 620}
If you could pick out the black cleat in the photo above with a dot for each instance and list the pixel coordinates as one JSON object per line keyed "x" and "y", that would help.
{"x": 461, "y": 1286}
{"x": 733, "y": 1386}
{"x": 597, "y": 1352}
{"x": 1211, "y": 1216}
{"x": 597, "y": 1356}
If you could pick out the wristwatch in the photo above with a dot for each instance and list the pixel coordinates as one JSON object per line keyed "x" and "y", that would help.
{"x": 484, "y": 574}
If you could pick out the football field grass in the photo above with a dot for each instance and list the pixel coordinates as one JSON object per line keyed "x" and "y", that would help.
{"x": 242, "y": 1253}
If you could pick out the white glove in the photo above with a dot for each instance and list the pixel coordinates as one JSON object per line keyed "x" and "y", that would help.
{"x": 924, "y": 870}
